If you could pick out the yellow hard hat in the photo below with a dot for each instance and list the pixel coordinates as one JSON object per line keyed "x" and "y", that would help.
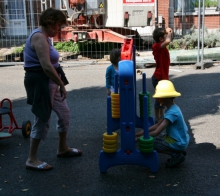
{"x": 165, "y": 89}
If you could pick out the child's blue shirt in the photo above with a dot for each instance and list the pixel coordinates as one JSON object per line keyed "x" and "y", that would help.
{"x": 177, "y": 129}
{"x": 110, "y": 75}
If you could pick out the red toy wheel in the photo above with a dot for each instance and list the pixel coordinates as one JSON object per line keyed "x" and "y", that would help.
{"x": 26, "y": 128}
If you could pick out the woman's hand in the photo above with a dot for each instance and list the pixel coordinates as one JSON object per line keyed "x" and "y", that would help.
{"x": 63, "y": 92}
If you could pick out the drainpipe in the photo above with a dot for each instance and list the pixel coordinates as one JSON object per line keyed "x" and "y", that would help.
{"x": 199, "y": 13}
{"x": 32, "y": 16}
{"x": 183, "y": 18}
{"x": 156, "y": 13}
{"x": 171, "y": 15}
{"x": 218, "y": 6}
{"x": 203, "y": 20}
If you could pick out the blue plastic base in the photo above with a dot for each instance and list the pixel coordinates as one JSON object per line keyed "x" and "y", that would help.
{"x": 107, "y": 160}
{"x": 128, "y": 154}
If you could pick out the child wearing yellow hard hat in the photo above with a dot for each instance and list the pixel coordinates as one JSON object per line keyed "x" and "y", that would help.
{"x": 176, "y": 139}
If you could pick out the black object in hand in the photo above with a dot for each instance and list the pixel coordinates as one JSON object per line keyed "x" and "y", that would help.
{"x": 63, "y": 76}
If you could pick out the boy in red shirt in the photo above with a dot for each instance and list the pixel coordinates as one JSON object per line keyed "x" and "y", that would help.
{"x": 161, "y": 54}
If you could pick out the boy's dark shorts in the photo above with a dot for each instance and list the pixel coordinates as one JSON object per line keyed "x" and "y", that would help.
{"x": 161, "y": 145}
{"x": 155, "y": 82}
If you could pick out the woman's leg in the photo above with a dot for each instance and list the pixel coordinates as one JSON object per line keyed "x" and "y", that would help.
{"x": 32, "y": 161}
{"x": 63, "y": 113}
{"x": 62, "y": 147}
{"x": 32, "y": 157}
{"x": 38, "y": 132}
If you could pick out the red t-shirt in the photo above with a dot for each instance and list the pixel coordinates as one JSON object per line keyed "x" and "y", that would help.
{"x": 162, "y": 58}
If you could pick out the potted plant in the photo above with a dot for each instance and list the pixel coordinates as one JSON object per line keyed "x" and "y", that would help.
{"x": 17, "y": 53}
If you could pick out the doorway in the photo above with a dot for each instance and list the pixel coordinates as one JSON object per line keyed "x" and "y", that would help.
{"x": 15, "y": 14}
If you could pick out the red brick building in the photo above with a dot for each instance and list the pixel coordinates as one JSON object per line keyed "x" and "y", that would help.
{"x": 189, "y": 17}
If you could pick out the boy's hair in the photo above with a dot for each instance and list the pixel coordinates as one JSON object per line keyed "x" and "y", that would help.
{"x": 158, "y": 33}
{"x": 114, "y": 56}
{"x": 51, "y": 17}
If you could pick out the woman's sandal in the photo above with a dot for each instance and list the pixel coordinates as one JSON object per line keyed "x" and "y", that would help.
{"x": 43, "y": 167}
{"x": 71, "y": 153}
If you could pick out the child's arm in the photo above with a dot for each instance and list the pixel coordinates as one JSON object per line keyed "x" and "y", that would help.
{"x": 156, "y": 129}
{"x": 108, "y": 92}
{"x": 152, "y": 128}
{"x": 108, "y": 81}
{"x": 168, "y": 38}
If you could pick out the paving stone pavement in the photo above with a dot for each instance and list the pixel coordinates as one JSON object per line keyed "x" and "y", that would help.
{"x": 199, "y": 175}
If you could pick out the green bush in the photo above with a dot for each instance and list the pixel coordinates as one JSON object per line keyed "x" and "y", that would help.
{"x": 208, "y": 3}
{"x": 88, "y": 46}
{"x": 69, "y": 46}
{"x": 18, "y": 49}
{"x": 76, "y": 48}
{"x": 190, "y": 41}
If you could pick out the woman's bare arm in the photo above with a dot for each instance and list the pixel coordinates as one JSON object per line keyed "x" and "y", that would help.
{"x": 41, "y": 46}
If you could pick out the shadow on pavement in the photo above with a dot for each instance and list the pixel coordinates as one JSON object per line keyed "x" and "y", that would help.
{"x": 198, "y": 175}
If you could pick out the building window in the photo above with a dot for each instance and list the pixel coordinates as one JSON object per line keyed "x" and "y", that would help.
{"x": 192, "y": 5}
{"x": 16, "y": 10}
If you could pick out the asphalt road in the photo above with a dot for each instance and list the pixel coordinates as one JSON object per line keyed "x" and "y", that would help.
{"x": 199, "y": 175}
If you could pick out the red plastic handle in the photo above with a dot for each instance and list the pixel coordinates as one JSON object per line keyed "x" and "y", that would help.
{"x": 127, "y": 49}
